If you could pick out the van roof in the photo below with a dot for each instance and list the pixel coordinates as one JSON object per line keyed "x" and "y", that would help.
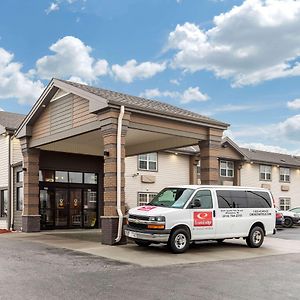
{"x": 218, "y": 187}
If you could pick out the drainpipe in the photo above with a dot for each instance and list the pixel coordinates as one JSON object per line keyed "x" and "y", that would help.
{"x": 9, "y": 188}
{"x": 119, "y": 166}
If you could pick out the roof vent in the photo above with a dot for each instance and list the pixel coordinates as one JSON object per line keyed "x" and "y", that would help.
{"x": 283, "y": 160}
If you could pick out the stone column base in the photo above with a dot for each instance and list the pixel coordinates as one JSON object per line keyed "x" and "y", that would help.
{"x": 31, "y": 223}
{"x": 109, "y": 226}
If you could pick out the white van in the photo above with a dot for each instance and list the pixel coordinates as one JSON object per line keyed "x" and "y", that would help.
{"x": 180, "y": 215}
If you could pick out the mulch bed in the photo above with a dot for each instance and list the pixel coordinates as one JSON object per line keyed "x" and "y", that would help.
{"x": 4, "y": 231}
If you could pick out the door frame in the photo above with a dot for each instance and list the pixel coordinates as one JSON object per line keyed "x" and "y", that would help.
{"x": 68, "y": 187}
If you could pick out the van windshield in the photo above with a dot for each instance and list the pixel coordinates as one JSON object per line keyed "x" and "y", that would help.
{"x": 172, "y": 197}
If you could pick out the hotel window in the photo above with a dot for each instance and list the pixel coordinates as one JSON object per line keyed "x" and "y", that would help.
{"x": 265, "y": 172}
{"x": 3, "y": 203}
{"x": 20, "y": 198}
{"x": 284, "y": 203}
{"x": 285, "y": 174}
{"x": 148, "y": 162}
{"x": 226, "y": 168}
{"x": 61, "y": 176}
{"x": 199, "y": 169}
{"x": 145, "y": 198}
{"x": 20, "y": 176}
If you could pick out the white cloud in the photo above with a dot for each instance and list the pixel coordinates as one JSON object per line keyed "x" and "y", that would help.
{"x": 290, "y": 128}
{"x": 132, "y": 70}
{"x": 53, "y": 7}
{"x": 16, "y": 84}
{"x": 1, "y": 109}
{"x": 295, "y": 104}
{"x": 193, "y": 94}
{"x": 254, "y": 42}
{"x": 71, "y": 58}
{"x": 187, "y": 96}
{"x": 174, "y": 81}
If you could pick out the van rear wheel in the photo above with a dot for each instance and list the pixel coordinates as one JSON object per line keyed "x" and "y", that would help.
{"x": 255, "y": 237}
{"x": 179, "y": 241}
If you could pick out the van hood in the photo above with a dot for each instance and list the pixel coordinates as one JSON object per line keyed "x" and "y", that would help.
{"x": 152, "y": 211}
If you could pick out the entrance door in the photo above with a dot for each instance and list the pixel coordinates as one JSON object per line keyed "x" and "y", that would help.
{"x": 89, "y": 208}
{"x": 61, "y": 208}
{"x": 75, "y": 208}
{"x": 47, "y": 208}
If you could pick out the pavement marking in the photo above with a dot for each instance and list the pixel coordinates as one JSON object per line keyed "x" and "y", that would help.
{"x": 158, "y": 255}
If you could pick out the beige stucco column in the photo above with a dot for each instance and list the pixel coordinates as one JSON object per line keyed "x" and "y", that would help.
{"x": 209, "y": 154}
{"x": 31, "y": 214}
{"x": 193, "y": 169}
{"x": 109, "y": 220}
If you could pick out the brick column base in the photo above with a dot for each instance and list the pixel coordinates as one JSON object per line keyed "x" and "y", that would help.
{"x": 109, "y": 226}
{"x": 31, "y": 223}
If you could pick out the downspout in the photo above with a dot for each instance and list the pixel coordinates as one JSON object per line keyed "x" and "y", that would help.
{"x": 119, "y": 166}
{"x": 9, "y": 188}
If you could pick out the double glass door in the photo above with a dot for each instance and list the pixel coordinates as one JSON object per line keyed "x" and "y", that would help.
{"x": 68, "y": 207}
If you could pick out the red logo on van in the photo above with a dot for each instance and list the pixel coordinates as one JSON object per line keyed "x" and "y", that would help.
{"x": 146, "y": 208}
{"x": 203, "y": 218}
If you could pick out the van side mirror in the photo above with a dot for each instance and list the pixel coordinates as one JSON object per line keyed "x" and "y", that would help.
{"x": 196, "y": 203}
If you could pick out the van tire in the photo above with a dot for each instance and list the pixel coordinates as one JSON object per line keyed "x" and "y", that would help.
{"x": 142, "y": 243}
{"x": 179, "y": 241}
{"x": 288, "y": 222}
{"x": 255, "y": 237}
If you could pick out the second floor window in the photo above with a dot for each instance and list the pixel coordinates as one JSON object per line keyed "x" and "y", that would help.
{"x": 265, "y": 172}
{"x": 285, "y": 174}
{"x": 226, "y": 168}
{"x": 148, "y": 162}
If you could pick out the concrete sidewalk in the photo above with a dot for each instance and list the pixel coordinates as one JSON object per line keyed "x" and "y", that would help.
{"x": 88, "y": 241}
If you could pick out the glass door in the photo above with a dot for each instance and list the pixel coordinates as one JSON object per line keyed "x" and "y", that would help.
{"x": 47, "y": 208}
{"x": 61, "y": 208}
{"x": 75, "y": 208}
{"x": 90, "y": 208}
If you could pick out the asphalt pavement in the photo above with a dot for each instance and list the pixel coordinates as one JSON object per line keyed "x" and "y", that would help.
{"x": 31, "y": 270}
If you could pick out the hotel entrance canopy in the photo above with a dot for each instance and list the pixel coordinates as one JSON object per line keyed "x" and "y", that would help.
{"x": 79, "y": 119}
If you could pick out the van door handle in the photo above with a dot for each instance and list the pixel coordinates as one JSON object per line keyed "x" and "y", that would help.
{"x": 214, "y": 213}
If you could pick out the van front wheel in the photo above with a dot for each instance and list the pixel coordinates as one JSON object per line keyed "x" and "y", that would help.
{"x": 255, "y": 237}
{"x": 179, "y": 241}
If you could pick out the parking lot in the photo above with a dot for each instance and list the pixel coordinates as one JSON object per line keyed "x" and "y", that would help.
{"x": 286, "y": 241}
{"x": 68, "y": 265}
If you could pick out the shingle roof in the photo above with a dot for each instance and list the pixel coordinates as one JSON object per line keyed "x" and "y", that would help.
{"x": 271, "y": 157}
{"x": 11, "y": 120}
{"x": 116, "y": 98}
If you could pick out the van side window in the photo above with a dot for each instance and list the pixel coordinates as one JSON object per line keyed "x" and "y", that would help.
{"x": 232, "y": 199}
{"x": 258, "y": 199}
{"x": 205, "y": 199}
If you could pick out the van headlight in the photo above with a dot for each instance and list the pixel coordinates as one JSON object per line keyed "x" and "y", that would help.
{"x": 157, "y": 219}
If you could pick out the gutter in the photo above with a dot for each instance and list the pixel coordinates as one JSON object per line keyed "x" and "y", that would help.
{"x": 119, "y": 166}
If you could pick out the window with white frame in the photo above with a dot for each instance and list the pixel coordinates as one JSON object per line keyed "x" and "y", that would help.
{"x": 3, "y": 203}
{"x": 265, "y": 172}
{"x": 226, "y": 168}
{"x": 284, "y": 203}
{"x": 285, "y": 174}
{"x": 20, "y": 198}
{"x": 148, "y": 162}
{"x": 145, "y": 198}
{"x": 199, "y": 169}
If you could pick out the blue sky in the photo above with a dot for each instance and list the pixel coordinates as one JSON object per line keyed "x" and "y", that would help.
{"x": 236, "y": 61}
